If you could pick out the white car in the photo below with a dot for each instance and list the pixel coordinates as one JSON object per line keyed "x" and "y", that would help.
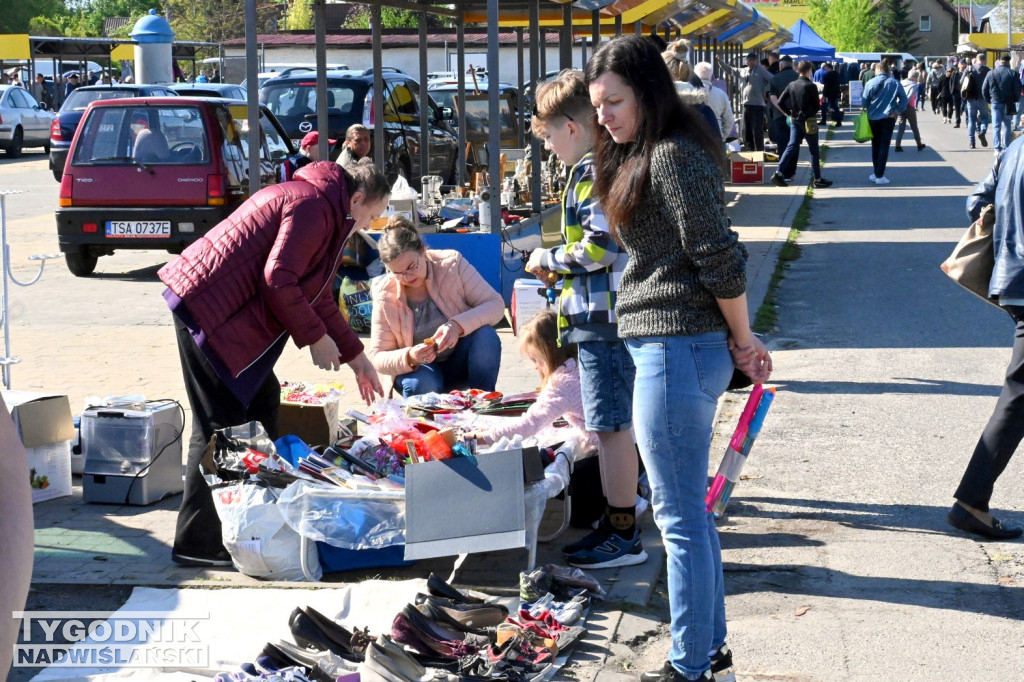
{"x": 23, "y": 121}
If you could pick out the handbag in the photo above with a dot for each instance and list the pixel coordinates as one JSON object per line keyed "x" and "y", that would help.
{"x": 811, "y": 126}
{"x": 971, "y": 263}
{"x": 862, "y": 128}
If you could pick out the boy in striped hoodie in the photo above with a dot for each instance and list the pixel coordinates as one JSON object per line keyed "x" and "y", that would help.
{"x": 591, "y": 266}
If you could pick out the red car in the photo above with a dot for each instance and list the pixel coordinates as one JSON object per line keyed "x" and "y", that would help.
{"x": 157, "y": 173}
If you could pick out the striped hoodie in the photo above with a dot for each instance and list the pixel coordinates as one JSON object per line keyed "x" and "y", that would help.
{"x": 590, "y": 261}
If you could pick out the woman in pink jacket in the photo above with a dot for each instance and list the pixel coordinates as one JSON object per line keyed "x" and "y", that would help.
{"x": 432, "y": 315}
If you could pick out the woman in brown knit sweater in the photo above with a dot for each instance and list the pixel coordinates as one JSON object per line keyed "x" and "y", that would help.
{"x": 682, "y": 310}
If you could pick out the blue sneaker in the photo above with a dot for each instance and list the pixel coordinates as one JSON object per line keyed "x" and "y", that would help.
{"x": 615, "y": 551}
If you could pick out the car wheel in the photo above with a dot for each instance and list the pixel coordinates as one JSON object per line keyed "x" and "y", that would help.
{"x": 14, "y": 151}
{"x": 80, "y": 263}
{"x": 46, "y": 148}
{"x": 58, "y": 174}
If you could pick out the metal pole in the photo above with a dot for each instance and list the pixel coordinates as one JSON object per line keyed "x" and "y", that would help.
{"x": 424, "y": 105}
{"x": 638, "y": 28}
{"x": 565, "y": 43}
{"x": 494, "y": 143}
{"x": 5, "y": 302}
{"x": 378, "y": 88}
{"x": 544, "y": 51}
{"x": 595, "y": 31}
{"x": 536, "y": 49}
{"x": 618, "y": 25}
{"x": 322, "y": 124}
{"x": 460, "y": 60}
{"x": 252, "y": 97}
{"x": 522, "y": 86}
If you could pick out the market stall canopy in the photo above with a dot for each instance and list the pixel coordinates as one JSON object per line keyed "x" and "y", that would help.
{"x": 808, "y": 44}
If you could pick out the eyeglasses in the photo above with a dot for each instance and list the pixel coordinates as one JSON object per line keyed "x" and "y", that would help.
{"x": 409, "y": 271}
{"x": 533, "y": 112}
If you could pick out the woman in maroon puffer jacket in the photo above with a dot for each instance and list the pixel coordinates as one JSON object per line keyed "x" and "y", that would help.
{"x": 259, "y": 277}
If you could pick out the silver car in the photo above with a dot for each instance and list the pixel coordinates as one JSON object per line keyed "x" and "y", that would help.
{"x": 23, "y": 121}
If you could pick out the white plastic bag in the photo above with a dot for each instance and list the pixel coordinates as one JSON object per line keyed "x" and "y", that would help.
{"x": 256, "y": 536}
{"x": 402, "y": 190}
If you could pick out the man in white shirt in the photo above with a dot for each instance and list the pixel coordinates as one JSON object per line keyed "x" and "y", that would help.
{"x": 718, "y": 101}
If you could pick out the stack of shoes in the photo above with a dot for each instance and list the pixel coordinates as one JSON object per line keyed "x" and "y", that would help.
{"x": 387, "y": 661}
{"x": 282, "y": 657}
{"x": 565, "y": 612}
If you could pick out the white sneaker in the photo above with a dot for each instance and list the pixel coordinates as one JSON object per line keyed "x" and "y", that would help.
{"x": 882, "y": 180}
{"x": 872, "y": 178}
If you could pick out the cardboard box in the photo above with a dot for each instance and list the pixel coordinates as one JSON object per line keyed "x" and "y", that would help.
{"x": 458, "y": 505}
{"x": 405, "y": 207}
{"x": 746, "y": 167}
{"x": 314, "y": 424}
{"x": 44, "y": 423}
{"x": 529, "y": 297}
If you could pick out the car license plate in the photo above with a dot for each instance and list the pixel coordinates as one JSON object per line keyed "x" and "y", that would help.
{"x": 138, "y": 228}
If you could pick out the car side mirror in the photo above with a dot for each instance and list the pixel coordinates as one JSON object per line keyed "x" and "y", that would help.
{"x": 447, "y": 114}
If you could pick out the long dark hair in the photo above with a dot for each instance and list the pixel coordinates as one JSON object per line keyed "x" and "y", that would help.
{"x": 623, "y": 169}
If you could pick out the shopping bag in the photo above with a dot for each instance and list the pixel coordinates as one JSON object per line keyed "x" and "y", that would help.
{"x": 862, "y": 128}
{"x": 970, "y": 265}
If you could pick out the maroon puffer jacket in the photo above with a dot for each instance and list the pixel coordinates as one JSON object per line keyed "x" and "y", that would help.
{"x": 267, "y": 270}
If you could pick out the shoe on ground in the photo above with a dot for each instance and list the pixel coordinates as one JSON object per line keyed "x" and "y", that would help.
{"x": 778, "y": 180}
{"x": 872, "y": 178}
{"x": 721, "y": 660}
{"x": 882, "y": 180}
{"x": 668, "y": 673}
{"x": 222, "y": 558}
{"x": 614, "y": 552}
{"x": 972, "y": 146}
{"x": 822, "y": 183}
{"x": 983, "y": 139}
{"x": 602, "y": 530}
{"x": 957, "y": 125}
{"x": 899, "y": 148}
{"x": 958, "y": 517}
{"x": 921, "y": 145}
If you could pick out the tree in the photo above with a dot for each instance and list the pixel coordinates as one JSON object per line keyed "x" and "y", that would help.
{"x": 390, "y": 17}
{"x": 849, "y": 25}
{"x": 214, "y": 21}
{"x": 300, "y": 16}
{"x": 896, "y": 31}
{"x": 16, "y": 16}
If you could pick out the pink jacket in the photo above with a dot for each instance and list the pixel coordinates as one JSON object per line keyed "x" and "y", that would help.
{"x": 561, "y": 397}
{"x": 457, "y": 289}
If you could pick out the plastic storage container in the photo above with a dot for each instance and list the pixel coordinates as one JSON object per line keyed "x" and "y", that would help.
{"x": 132, "y": 456}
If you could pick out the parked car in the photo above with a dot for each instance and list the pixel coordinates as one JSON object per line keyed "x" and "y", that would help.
{"x": 228, "y": 90}
{"x": 157, "y": 173}
{"x": 292, "y": 99}
{"x": 22, "y": 121}
{"x": 63, "y": 127}
{"x": 445, "y": 92}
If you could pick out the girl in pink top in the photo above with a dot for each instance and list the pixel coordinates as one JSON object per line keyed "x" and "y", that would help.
{"x": 560, "y": 394}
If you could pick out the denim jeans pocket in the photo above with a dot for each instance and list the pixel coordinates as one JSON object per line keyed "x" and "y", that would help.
{"x": 714, "y": 366}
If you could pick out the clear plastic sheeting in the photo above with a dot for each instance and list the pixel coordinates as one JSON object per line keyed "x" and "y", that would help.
{"x": 346, "y": 519}
{"x": 556, "y": 479}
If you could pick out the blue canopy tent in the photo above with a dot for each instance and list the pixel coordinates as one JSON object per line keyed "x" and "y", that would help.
{"x": 807, "y": 44}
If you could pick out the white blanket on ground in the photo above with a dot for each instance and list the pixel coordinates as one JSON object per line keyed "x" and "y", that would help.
{"x": 241, "y": 621}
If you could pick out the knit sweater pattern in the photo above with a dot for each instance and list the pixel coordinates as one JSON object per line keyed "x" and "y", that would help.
{"x": 682, "y": 253}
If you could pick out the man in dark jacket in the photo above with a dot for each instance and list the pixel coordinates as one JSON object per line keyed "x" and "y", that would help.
{"x": 778, "y": 128}
{"x": 800, "y": 101}
{"x": 955, "y": 87}
{"x": 978, "y": 116}
{"x": 830, "y": 96}
{"x": 1003, "y": 188}
{"x": 237, "y": 294}
{"x": 1001, "y": 89}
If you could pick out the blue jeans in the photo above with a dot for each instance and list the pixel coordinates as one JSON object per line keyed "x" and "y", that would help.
{"x": 787, "y": 164}
{"x": 827, "y": 104}
{"x": 881, "y": 138}
{"x": 977, "y": 117}
{"x": 678, "y": 382}
{"x": 1001, "y": 121}
{"x": 474, "y": 363}
{"x": 606, "y": 383}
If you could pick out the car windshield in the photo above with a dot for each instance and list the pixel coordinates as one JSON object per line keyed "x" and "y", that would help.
{"x": 299, "y": 98}
{"x": 148, "y": 135}
{"x": 80, "y": 99}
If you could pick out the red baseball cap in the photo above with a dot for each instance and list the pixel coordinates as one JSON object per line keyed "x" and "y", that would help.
{"x": 314, "y": 138}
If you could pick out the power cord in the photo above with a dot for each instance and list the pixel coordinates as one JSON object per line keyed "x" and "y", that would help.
{"x": 174, "y": 439}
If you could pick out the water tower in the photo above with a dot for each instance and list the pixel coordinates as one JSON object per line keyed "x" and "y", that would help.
{"x": 153, "y": 62}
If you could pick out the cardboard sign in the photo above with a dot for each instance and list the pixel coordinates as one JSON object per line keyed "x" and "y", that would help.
{"x": 746, "y": 167}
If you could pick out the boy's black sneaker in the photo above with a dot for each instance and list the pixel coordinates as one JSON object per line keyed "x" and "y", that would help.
{"x": 778, "y": 180}
{"x": 668, "y": 673}
{"x": 983, "y": 139}
{"x": 822, "y": 183}
{"x": 722, "y": 660}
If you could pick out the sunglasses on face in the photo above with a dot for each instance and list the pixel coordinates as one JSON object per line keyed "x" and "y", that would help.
{"x": 533, "y": 112}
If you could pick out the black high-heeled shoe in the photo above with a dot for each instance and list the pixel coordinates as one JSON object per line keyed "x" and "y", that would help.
{"x": 313, "y": 630}
{"x": 439, "y": 588}
{"x": 438, "y": 615}
{"x": 472, "y": 615}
